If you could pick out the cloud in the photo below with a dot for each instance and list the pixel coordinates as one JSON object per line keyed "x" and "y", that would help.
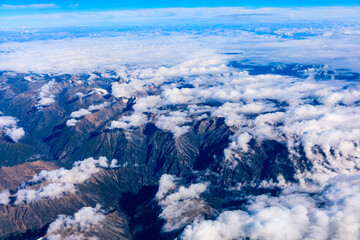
{"x": 83, "y": 112}
{"x": 29, "y": 6}
{"x": 180, "y": 205}
{"x": 182, "y": 15}
{"x": 166, "y": 184}
{"x": 8, "y": 124}
{"x": 47, "y": 94}
{"x": 126, "y": 89}
{"x": 71, "y": 122}
{"x": 84, "y": 222}
{"x": 127, "y": 122}
{"x": 240, "y": 143}
{"x": 173, "y": 121}
{"x": 330, "y": 213}
{"x": 58, "y": 182}
{"x": 15, "y": 133}
{"x": 80, "y": 113}
{"x": 4, "y": 197}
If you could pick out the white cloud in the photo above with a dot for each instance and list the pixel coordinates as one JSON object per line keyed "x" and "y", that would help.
{"x": 127, "y": 90}
{"x": 15, "y": 133}
{"x": 71, "y": 122}
{"x": 126, "y": 122}
{"x": 238, "y": 145}
{"x": 47, "y": 94}
{"x": 86, "y": 220}
{"x": 173, "y": 121}
{"x": 29, "y": 6}
{"x": 180, "y": 205}
{"x": 58, "y": 182}
{"x": 4, "y": 197}
{"x": 83, "y": 112}
{"x": 147, "y": 104}
{"x": 166, "y": 184}
{"x": 79, "y": 113}
{"x": 330, "y": 213}
{"x": 8, "y": 124}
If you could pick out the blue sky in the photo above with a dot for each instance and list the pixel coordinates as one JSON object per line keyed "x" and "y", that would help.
{"x": 15, "y": 7}
{"x": 65, "y": 13}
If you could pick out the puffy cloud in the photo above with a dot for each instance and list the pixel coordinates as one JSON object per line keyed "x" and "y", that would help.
{"x": 79, "y": 226}
{"x": 127, "y": 90}
{"x": 330, "y": 213}
{"x": 8, "y": 124}
{"x": 240, "y": 144}
{"x": 100, "y": 91}
{"x": 4, "y": 197}
{"x": 58, "y": 182}
{"x": 79, "y": 113}
{"x": 180, "y": 205}
{"x": 83, "y": 112}
{"x": 6, "y": 121}
{"x": 71, "y": 122}
{"x": 166, "y": 184}
{"x": 173, "y": 121}
{"x": 47, "y": 94}
{"x": 147, "y": 104}
{"x": 15, "y": 133}
{"x": 126, "y": 122}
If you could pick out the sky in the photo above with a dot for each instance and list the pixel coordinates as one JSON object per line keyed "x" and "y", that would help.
{"x": 16, "y": 7}
{"x": 65, "y": 13}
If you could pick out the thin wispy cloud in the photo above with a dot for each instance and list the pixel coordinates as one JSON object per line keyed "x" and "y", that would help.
{"x": 28, "y": 6}
{"x": 206, "y": 15}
